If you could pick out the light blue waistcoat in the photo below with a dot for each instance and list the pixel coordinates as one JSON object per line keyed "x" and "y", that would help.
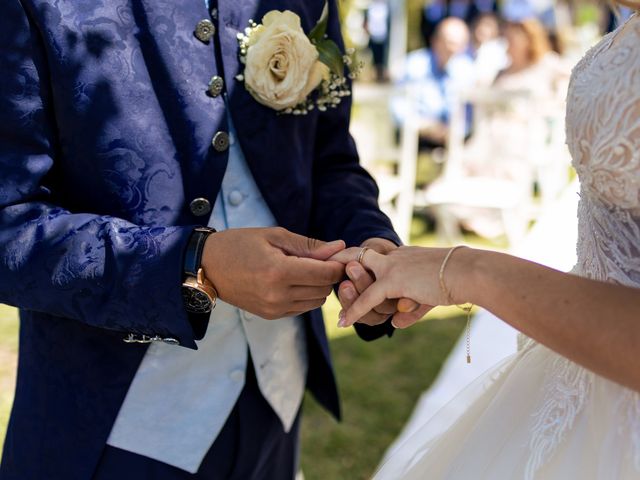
{"x": 180, "y": 399}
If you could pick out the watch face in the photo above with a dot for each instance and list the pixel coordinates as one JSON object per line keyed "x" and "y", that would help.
{"x": 196, "y": 301}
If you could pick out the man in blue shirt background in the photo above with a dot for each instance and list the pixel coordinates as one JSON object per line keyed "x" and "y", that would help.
{"x": 432, "y": 80}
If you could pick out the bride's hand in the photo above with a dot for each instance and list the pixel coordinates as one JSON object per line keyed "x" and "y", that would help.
{"x": 407, "y": 272}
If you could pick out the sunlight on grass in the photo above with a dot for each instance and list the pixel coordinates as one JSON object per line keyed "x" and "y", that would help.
{"x": 8, "y": 352}
{"x": 380, "y": 383}
{"x": 8, "y": 328}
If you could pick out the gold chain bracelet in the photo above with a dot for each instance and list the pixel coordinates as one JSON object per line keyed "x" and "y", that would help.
{"x": 465, "y": 308}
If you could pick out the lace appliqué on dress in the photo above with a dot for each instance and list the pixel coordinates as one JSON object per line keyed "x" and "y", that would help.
{"x": 565, "y": 392}
{"x": 630, "y": 405}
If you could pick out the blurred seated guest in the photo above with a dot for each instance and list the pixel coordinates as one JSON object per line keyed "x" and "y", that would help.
{"x": 432, "y": 80}
{"x": 520, "y": 99}
{"x": 539, "y": 75}
{"x": 544, "y": 11}
{"x": 527, "y": 47}
{"x": 533, "y": 65}
{"x": 514, "y": 130}
{"x": 434, "y": 11}
{"x": 377, "y": 25}
{"x": 488, "y": 49}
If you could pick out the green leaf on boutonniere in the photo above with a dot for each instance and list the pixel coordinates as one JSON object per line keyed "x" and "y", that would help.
{"x": 317, "y": 34}
{"x": 331, "y": 56}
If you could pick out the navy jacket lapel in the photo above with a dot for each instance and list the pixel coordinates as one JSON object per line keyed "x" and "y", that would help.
{"x": 250, "y": 118}
{"x": 257, "y": 125}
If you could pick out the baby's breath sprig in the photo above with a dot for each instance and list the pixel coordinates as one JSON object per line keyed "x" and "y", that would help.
{"x": 243, "y": 42}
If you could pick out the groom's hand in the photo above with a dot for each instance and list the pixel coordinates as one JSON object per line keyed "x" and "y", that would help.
{"x": 361, "y": 279}
{"x": 271, "y": 272}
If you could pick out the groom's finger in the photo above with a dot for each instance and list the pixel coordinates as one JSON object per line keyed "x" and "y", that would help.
{"x": 310, "y": 272}
{"x": 301, "y": 246}
{"x": 302, "y": 293}
{"x": 307, "y": 306}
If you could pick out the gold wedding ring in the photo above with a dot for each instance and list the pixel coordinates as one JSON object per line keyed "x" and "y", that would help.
{"x": 361, "y": 254}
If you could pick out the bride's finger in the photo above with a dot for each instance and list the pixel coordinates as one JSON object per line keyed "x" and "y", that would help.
{"x": 373, "y": 261}
{"x": 371, "y": 297}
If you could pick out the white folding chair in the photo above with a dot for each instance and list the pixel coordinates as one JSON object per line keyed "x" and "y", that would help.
{"x": 489, "y": 179}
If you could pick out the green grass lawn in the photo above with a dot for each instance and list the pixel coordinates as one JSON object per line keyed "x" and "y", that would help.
{"x": 8, "y": 354}
{"x": 380, "y": 383}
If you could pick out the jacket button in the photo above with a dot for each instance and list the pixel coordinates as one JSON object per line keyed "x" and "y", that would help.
{"x": 200, "y": 206}
{"x": 216, "y": 84}
{"x": 205, "y": 30}
{"x": 220, "y": 141}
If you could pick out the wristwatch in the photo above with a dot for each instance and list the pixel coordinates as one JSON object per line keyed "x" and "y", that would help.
{"x": 198, "y": 294}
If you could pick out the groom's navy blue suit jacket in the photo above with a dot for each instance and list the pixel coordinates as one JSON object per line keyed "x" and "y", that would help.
{"x": 106, "y": 134}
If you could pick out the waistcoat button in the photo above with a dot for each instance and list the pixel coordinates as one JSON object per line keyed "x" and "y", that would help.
{"x": 236, "y": 198}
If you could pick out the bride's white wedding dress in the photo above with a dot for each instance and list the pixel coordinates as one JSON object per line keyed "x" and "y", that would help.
{"x": 537, "y": 415}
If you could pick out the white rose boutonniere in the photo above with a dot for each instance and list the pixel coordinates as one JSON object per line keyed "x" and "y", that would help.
{"x": 284, "y": 66}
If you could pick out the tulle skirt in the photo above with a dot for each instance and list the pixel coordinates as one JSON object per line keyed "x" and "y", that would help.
{"x": 536, "y": 415}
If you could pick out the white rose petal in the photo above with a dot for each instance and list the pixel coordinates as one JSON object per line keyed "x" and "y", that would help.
{"x": 282, "y": 66}
{"x": 287, "y": 18}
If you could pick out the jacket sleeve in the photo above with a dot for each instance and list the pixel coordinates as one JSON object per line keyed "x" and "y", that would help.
{"x": 99, "y": 270}
{"x": 345, "y": 201}
{"x": 345, "y": 196}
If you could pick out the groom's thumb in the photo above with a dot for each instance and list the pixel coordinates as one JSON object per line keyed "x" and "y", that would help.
{"x": 301, "y": 246}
